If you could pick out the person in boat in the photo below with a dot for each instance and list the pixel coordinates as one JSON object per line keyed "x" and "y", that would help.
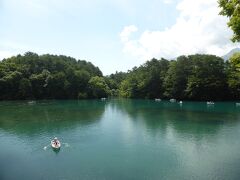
{"x": 55, "y": 140}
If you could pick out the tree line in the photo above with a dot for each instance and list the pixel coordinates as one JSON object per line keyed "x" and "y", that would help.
{"x": 194, "y": 77}
{"x": 31, "y": 76}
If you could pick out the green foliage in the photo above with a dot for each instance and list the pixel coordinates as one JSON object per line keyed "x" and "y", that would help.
{"x": 176, "y": 78}
{"x": 231, "y": 9}
{"x": 45, "y": 77}
{"x": 234, "y": 76}
{"x": 145, "y": 81}
{"x": 9, "y": 84}
{"x": 195, "y": 77}
{"x": 82, "y": 95}
{"x": 126, "y": 88}
{"x": 39, "y": 84}
{"x": 207, "y": 80}
{"x": 113, "y": 81}
{"x": 98, "y": 88}
{"x": 25, "y": 89}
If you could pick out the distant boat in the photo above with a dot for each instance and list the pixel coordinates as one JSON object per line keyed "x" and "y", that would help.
{"x": 31, "y": 102}
{"x": 172, "y": 100}
{"x": 237, "y": 104}
{"x": 103, "y": 99}
{"x": 158, "y": 100}
{"x": 180, "y": 102}
{"x": 210, "y": 103}
{"x": 55, "y": 143}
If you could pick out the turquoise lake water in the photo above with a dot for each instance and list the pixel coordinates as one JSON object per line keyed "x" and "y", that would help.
{"x": 119, "y": 139}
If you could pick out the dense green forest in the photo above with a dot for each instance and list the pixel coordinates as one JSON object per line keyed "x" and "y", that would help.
{"x": 49, "y": 77}
{"x": 194, "y": 77}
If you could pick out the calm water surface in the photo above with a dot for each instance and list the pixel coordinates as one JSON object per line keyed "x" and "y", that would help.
{"x": 119, "y": 139}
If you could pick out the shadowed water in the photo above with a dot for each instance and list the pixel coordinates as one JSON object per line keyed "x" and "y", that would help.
{"x": 119, "y": 139}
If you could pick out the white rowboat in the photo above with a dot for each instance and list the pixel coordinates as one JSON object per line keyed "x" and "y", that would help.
{"x": 55, "y": 144}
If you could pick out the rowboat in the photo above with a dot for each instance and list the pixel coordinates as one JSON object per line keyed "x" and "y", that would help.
{"x": 55, "y": 143}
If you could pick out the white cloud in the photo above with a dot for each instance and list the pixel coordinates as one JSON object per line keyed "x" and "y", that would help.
{"x": 198, "y": 29}
{"x": 127, "y": 31}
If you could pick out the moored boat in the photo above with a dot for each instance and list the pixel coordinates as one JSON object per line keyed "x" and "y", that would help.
{"x": 172, "y": 100}
{"x": 210, "y": 103}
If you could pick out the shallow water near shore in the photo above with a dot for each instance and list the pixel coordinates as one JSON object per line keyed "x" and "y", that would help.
{"x": 119, "y": 139}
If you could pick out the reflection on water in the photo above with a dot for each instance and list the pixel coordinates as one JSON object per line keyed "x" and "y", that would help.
{"x": 165, "y": 115}
{"x": 32, "y": 119}
{"x": 119, "y": 139}
{"x": 56, "y": 150}
{"x": 196, "y": 132}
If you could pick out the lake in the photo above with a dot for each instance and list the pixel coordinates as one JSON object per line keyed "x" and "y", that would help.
{"x": 119, "y": 139}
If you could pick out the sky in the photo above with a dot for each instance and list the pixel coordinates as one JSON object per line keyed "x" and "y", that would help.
{"x": 114, "y": 35}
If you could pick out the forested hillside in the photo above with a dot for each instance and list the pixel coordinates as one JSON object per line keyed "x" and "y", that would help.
{"x": 194, "y": 77}
{"x": 49, "y": 77}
